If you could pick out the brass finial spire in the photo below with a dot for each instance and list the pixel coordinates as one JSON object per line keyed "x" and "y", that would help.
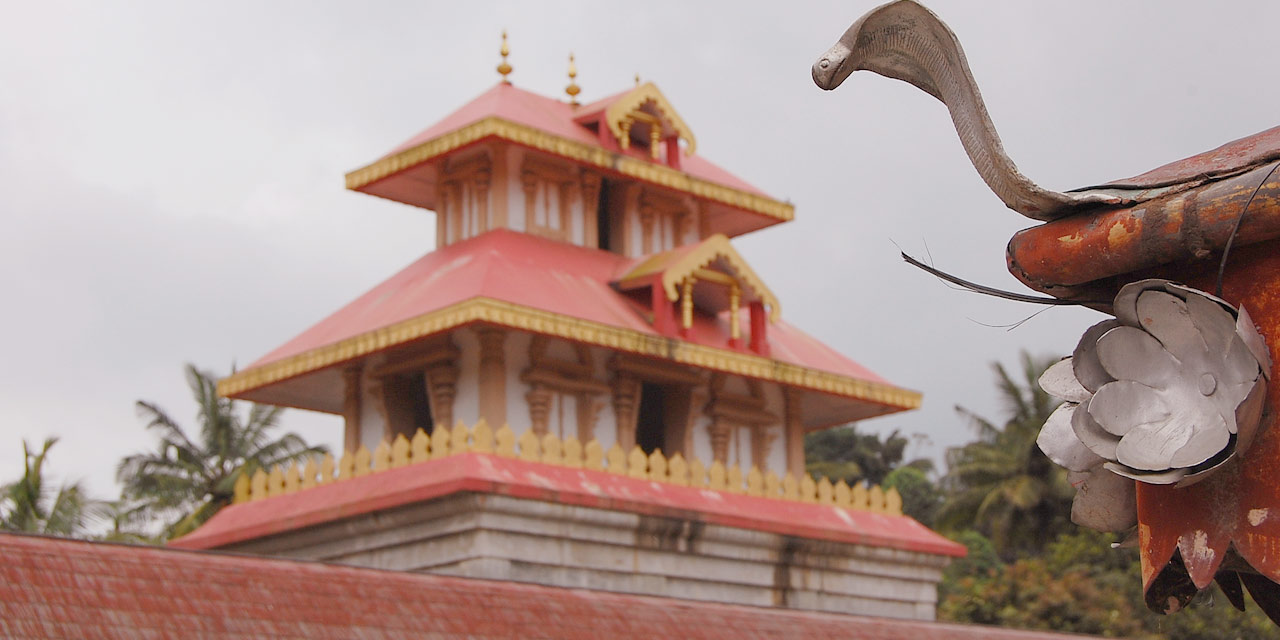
{"x": 505, "y": 68}
{"x": 637, "y": 78}
{"x": 573, "y": 89}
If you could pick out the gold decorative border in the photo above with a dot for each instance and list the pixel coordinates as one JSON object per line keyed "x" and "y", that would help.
{"x": 618, "y": 111}
{"x": 554, "y": 324}
{"x": 542, "y": 141}
{"x": 549, "y": 449}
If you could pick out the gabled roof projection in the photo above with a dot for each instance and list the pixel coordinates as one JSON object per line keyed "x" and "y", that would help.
{"x": 621, "y": 111}
{"x": 698, "y": 260}
{"x": 56, "y": 588}
{"x": 505, "y": 112}
{"x": 525, "y": 282}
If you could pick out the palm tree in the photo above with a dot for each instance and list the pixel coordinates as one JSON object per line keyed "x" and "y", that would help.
{"x": 1002, "y": 484}
{"x": 30, "y": 505}
{"x": 845, "y": 454}
{"x": 188, "y": 480}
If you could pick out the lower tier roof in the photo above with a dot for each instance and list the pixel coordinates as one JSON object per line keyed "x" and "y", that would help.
{"x": 488, "y": 473}
{"x": 55, "y": 588}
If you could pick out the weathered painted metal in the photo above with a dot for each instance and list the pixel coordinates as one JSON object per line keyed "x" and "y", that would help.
{"x": 1091, "y": 255}
{"x": 1174, "y": 223}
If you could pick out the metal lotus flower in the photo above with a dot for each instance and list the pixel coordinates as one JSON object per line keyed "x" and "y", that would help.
{"x": 1167, "y": 392}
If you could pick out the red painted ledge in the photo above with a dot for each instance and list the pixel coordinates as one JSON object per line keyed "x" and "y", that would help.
{"x": 485, "y": 473}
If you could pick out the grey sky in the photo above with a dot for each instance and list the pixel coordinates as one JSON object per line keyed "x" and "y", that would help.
{"x": 171, "y": 173}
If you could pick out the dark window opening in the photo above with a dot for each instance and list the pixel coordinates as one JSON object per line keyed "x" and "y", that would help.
{"x": 604, "y": 219}
{"x": 651, "y": 419}
{"x": 408, "y": 406}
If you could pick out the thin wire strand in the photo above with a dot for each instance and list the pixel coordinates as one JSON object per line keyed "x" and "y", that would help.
{"x": 1226, "y": 251}
{"x": 992, "y": 291}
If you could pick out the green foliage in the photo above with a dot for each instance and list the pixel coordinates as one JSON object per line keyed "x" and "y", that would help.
{"x": 845, "y": 454}
{"x": 1002, "y": 484}
{"x": 1038, "y": 571}
{"x": 1080, "y": 584}
{"x": 187, "y": 480}
{"x": 129, "y": 524}
{"x": 980, "y": 559}
{"x": 31, "y": 505}
{"x": 920, "y": 497}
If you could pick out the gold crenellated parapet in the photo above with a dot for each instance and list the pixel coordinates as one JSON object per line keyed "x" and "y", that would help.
{"x": 550, "y": 449}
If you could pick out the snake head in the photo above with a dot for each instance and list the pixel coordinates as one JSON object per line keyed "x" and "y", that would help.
{"x": 833, "y": 67}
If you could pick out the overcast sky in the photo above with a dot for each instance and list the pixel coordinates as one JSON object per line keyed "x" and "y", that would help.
{"x": 171, "y": 174}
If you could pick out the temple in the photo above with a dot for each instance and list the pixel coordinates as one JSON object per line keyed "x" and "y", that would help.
{"x": 583, "y": 385}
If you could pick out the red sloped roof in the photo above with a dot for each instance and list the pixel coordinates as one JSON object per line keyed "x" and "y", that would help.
{"x": 56, "y": 588}
{"x": 558, "y": 118}
{"x": 542, "y": 274}
{"x": 487, "y": 473}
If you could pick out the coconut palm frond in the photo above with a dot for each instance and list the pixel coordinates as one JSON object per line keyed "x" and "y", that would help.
{"x": 190, "y": 475}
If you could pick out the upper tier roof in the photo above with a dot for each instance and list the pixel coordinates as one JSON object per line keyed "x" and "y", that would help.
{"x": 543, "y": 286}
{"x": 509, "y": 113}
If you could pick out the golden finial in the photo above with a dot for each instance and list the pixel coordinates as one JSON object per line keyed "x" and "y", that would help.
{"x": 637, "y": 79}
{"x": 505, "y": 68}
{"x": 573, "y": 89}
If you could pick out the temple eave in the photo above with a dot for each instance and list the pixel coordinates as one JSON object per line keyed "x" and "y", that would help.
{"x": 373, "y": 178}
{"x": 886, "y": 398}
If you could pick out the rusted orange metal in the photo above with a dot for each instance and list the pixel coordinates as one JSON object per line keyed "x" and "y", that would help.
{"x": 1090, "y": 255}
{"x": 1229, "y": 523}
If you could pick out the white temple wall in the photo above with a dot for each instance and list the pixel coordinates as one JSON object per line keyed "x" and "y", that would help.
{"x": 512, "y": 156}
{"x": 702, "y": 437}
{"x": 372, "y": 423}
{"x": 466, "y": 402}
{"x": 577, "y": 217}
{"x": 516, "y": 351}
{"x": 775, "y": 404}
{"x": 606, "y": 420}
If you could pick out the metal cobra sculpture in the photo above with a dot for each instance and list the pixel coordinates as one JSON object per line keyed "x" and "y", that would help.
{"x": 906, "y": 41}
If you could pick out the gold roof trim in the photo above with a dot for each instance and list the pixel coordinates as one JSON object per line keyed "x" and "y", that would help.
{"x": 549, "y": 323}
{"x": 622, "y": 108}
{"x": 650, "y": 172}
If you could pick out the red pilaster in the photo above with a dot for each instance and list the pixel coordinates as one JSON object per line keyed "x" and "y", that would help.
{"x": 673, "y": 152}
{"x": 759, "y": 329}
{"x": 664, "y": 313}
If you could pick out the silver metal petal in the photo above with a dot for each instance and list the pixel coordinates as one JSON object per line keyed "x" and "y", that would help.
{"x": 1058, "y": 441}
{"x": 1166, "y": 476}
{"x": 1123, "y": 405}
{"x": 1084, "y": 360}
{"x": 1249, "y": 416}
{"x": 1130, "y": 540}
{"x": 1125, "y": 305}
{"x": 1092, "y": 435}
{"x": 1215, "y": 324}
{"x": 1236, "y": 364}
{"x": 1128, "y": 353}
{"x": 1253, "y": 340}
{"x": 1186, "y": 439}
{"x": 1060, "y": 381}
{"x": 1168, "y": 319}
{"x": 1192, "y": 478}
{"x": 1105, "y": 502}
{"x": 1185, "y": 292}
{"x": 1229, "y": 397}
